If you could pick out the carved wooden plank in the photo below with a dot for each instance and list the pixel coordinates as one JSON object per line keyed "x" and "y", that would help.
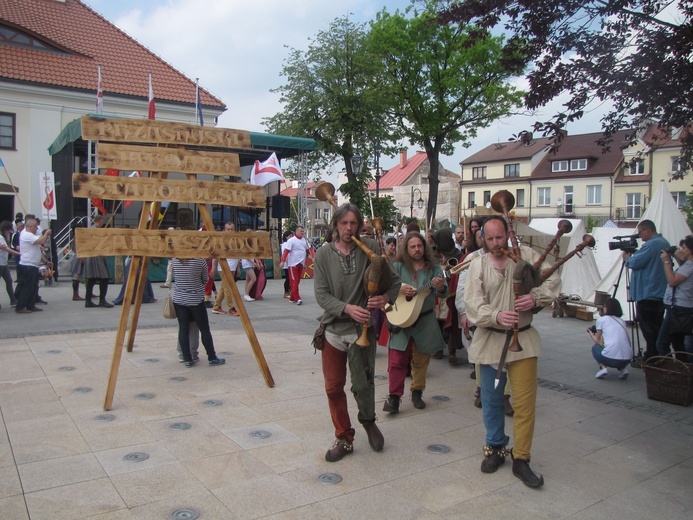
{"x": 157, "y": 159}
{"x": 162, "y": 132}
{"x": 168, "y": 244}
{"x": 148, "y": 189}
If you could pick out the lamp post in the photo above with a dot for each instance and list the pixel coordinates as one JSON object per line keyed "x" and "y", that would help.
{"x": 419, "y": 202}
{"x": 376, "y": 149}
{"x": 356, "y": 161}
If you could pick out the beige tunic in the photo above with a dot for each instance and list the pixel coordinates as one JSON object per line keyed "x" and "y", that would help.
{"x": 488, "y": 292}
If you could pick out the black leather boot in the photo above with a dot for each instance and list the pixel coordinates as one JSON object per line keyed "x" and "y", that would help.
{"x": 522, "y": 471}
{"x": 494, "y": 458}
{"x": 375, "y": 436}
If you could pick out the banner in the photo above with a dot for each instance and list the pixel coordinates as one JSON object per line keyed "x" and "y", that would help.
{"x": 47, "y": 183}
{"x": 265, "y": 172}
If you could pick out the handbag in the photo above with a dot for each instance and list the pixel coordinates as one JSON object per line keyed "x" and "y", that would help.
{"x": 169, "y": 308}
{"x": 319, "y": 338}
{"x": 680, "y": 318}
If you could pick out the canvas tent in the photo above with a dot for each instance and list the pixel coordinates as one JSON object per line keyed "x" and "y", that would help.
{"x": 578, "y": 275}
{"x": 670, "y": 223}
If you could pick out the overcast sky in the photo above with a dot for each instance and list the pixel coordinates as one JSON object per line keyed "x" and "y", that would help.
{"x": 237, "y": 48}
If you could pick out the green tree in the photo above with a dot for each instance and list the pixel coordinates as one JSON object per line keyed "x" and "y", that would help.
{"x": 443, "y": 83}
{"x": 329, "y": 95}
{"x": 630, "y": 52}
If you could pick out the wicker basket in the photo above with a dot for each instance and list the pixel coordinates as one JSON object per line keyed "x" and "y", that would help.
{"x": 669, "y": 380}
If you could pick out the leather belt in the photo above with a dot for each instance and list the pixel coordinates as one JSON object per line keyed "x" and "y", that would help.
{"x": 506, "y": 331}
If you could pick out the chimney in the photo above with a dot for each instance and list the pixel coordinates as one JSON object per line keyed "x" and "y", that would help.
{"x": 402, "y": 157}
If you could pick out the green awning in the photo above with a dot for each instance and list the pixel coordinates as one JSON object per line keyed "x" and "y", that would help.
{"x": 262, "y": 144}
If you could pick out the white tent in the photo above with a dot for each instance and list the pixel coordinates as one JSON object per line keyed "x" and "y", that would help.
{"x": 578, "y": 275}
{"x": 669, "y": 222}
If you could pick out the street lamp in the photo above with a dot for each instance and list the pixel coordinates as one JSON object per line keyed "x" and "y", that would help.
{"x": 419, "y": 202}
{"x": 376, "y": 150}
{"x": 356, "y": 161}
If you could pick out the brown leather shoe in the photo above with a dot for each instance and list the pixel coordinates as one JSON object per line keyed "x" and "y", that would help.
{"x": 339, "y": 449}
{"x": 77, "y": 298}
{"x": 494, "y": 458}
{"x": 477, "y": 397}
{"x": 391, "y": 404}
{"x": 375, "y": 437}
{"x": 509, "y": 410}
{"x": 522, "y": 471}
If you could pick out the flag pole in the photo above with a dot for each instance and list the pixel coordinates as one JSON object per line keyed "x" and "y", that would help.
{"x": 16, "y": 193}
{"x": 197, "y": 101}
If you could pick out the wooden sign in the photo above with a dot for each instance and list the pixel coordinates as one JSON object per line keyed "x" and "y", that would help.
{"x": 169, "y": 244}
{"x": 164, "y": 132}
{"x": 157, "y": 159}
{"x": 148, "y": 189}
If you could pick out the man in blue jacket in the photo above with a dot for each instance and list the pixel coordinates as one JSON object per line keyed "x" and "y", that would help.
{"x": 648, "y": 283}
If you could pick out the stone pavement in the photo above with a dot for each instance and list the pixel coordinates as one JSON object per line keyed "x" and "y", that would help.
{"x": 217, "y": 441}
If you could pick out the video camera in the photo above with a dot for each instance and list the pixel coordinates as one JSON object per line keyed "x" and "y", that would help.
{"x": 627, "y": 243}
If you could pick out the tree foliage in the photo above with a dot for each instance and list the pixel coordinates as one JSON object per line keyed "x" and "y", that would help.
{"x": 329, "y": 96}
{"x": 442, "y": 82}
{"x": 633, "y": 53}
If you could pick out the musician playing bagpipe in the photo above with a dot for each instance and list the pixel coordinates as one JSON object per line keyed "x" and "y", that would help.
{"x": 340, "y": 267}
{"x": 419, "y": 334}
{"x": 491, "y": 304}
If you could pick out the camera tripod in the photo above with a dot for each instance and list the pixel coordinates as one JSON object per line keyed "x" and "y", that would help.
{"x": 636, "y": 362}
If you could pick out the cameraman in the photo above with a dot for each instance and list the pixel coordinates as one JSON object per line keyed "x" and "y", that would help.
{"x": 648, "y": 283}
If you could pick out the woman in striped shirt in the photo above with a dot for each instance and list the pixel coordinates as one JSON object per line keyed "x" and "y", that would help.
{"x": 191, "y": 275}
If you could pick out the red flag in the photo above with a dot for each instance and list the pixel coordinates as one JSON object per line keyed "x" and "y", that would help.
{"x": 98, "y": 203}
{"x": 152, "y": 107}
{"x": 99, "y": 94}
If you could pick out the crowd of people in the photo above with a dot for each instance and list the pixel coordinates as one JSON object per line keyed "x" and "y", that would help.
{"x": 476, "y": 306}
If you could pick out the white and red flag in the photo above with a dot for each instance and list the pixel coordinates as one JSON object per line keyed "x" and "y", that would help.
{"x": 99, "y": 94}
{"x": 152, "y": 106}
{"x": 265, "y": 172}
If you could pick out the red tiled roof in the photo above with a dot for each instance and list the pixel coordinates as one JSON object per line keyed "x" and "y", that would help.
{"x": 666, "y": 138}
{"x": 88, "y": 40}
{"x": 398, "y": 175}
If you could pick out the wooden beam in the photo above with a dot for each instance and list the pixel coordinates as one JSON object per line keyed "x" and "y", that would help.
{"x": 169, "y": 244}
{"x": 162, "y": 132}
{"x": 148, "y": 189}
{"x": 158, "y": 159}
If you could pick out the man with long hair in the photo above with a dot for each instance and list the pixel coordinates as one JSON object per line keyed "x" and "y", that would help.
{"x": 417, "y": 270}
{"x": 339, "y": 271}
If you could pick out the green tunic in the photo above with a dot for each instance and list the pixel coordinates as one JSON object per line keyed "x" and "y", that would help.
{"x": 338, "y": 280}
{"x": 425, "y": 331}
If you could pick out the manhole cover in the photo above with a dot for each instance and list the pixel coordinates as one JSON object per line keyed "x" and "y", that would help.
{"x": 136, "y": 456}
{"x": 260, "y": 434}
{"x": 152, "y": 360}
{"x": 145, "y": 395}
{"x": 66, "y": 369}
{"x": 54, "y": 351}
{"x": 105, "y": 417}
{"x": 380, "y": 378}
{"x": 187, "y": 513}
{"x": 439, "y": 448}
{"x": 440, "y": 398}
{"x": 212, "y": 402}
{"x": 83, "y": 389}
{"x": 178, "y": 378}
{"x": 329, "y": 478}
{"x": 179, "y": 426}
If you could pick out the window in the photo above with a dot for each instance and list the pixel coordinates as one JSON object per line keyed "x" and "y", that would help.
{"x": 568, "y": 199}
{"x": 471, "y": 200}
{"x": 8, "y": 131}
{"x": 487, "y": 197}
{"x": 512, "y": 170}
{"x": 543, "y": 196}
{"x": 520, "y": 198}
{"x": 633, "y": 205}
{"x": 559, "y": 166}
{"x": 637, "y": 167}
{"x": 578, "y": 164}
{"x": 318, "y": 213}
{"x": 16, "y": 38}
{"x": 679, "y": 198}
{"x": 676, "y": 164}
{"x": 594, "y": 195}
{"x": 479, "y": 172}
